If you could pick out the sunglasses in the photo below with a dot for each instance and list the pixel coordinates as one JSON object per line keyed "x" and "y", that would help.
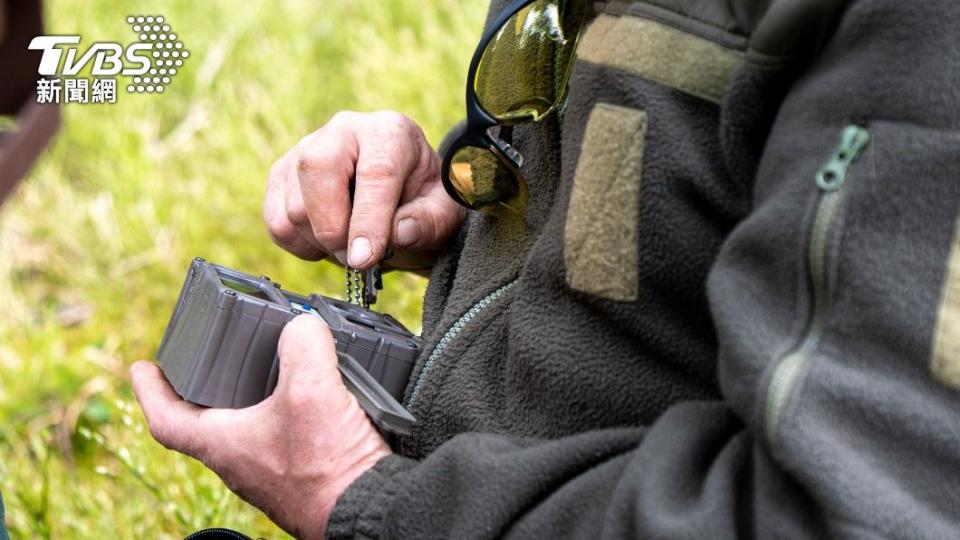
{"x": 519, "y": 73}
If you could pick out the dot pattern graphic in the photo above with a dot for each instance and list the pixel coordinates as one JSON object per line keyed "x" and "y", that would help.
{"x": 167, "y": 52}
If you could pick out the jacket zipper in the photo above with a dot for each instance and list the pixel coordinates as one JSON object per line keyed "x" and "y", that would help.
{"x": 451, "y": 334}
{"x": 830, "y": 180}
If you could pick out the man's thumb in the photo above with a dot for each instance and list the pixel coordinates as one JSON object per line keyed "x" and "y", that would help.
{"x": 427, "y": 222}
{"x": 307, "y": 354}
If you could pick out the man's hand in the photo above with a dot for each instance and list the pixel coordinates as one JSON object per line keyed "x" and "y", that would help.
{"x": 399, "y": 200}
{"x": 291, "y": 455}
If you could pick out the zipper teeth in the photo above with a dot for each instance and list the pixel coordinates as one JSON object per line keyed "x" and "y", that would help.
{"x": 781, "y": 382}
{"x": 452, "y": 333}
{"x": 787, "y": 371}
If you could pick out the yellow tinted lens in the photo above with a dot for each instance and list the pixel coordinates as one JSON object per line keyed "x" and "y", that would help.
{"x": 524, "y": 69}
{"x": 483, "y": 179}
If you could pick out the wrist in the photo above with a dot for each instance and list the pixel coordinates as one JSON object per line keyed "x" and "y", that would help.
{"x": 335, "y": 485}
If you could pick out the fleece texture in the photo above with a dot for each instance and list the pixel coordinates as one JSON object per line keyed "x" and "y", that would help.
{"x": 557, "y": 413}
{"x": 604, "y": 205}
{"x": 660, "y": 53}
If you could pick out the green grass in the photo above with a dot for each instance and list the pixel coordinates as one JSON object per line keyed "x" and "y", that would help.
{"x": 95, "y": 243}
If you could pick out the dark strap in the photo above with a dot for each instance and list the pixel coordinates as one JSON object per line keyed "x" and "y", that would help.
{"x": 217, "y": 533}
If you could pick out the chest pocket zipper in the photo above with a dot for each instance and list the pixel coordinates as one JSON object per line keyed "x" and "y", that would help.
{"x": 830, "y": 180}
{"x": 450, "y": 335}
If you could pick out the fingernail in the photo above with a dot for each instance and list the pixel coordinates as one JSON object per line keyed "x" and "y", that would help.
{"x": 341, "y": 255}
{"x": 408, "y": 232}
{"x": 359, "y": 252}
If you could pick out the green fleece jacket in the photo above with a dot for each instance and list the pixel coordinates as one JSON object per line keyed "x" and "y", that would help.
{"x": 732, "y": 308}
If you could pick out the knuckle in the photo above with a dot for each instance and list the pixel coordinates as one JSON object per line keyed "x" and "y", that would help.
{"x": 342, "y": 117}
{"x": 287, "y": 237}
{"x": 394, "y": 118}
{"x": 381, "y": 168}
{"x": 297, "y": 215}
{"x": 314, "y": 158}
{"x": 301, "y": 397}
{"x": 402, "y": 127}
{"x": 415, "y": 132}
{"x": 368, "y": 217}
{"x": 328, "y": 237}
{"x": 428, "y": 163}
{"x": 308, "y": 162}
{"x": 280, "y": 229}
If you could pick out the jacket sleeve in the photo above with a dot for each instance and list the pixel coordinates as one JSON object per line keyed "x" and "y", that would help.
{"x": 837, "y": 308}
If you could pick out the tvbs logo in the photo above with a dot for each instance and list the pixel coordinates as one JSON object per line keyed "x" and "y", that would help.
{"x": 151, "y": 62}
{"x": 107, "y": 57}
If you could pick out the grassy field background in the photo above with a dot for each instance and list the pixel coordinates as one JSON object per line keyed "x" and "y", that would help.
{"x": 95, "y": 243}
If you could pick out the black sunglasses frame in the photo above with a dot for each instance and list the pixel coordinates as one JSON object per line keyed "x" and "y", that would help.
{"x": 480, "y": 121}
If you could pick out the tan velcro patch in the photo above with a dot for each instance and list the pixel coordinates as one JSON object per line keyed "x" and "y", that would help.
{"x": 661, "y": 54}
{"x": 945, "y": 361}
{"x": 600, "y": 236}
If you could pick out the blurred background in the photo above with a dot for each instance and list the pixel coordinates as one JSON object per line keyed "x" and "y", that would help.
{"x": 95, "y": 242}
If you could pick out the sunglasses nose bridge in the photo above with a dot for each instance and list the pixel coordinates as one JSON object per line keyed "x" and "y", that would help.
{"x": 509, "y": 152}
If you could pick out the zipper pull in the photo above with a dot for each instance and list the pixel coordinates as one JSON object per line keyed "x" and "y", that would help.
{"x": 832, "y": 175}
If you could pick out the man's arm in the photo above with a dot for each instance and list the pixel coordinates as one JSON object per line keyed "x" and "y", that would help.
{"x": 836, "y": 307}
